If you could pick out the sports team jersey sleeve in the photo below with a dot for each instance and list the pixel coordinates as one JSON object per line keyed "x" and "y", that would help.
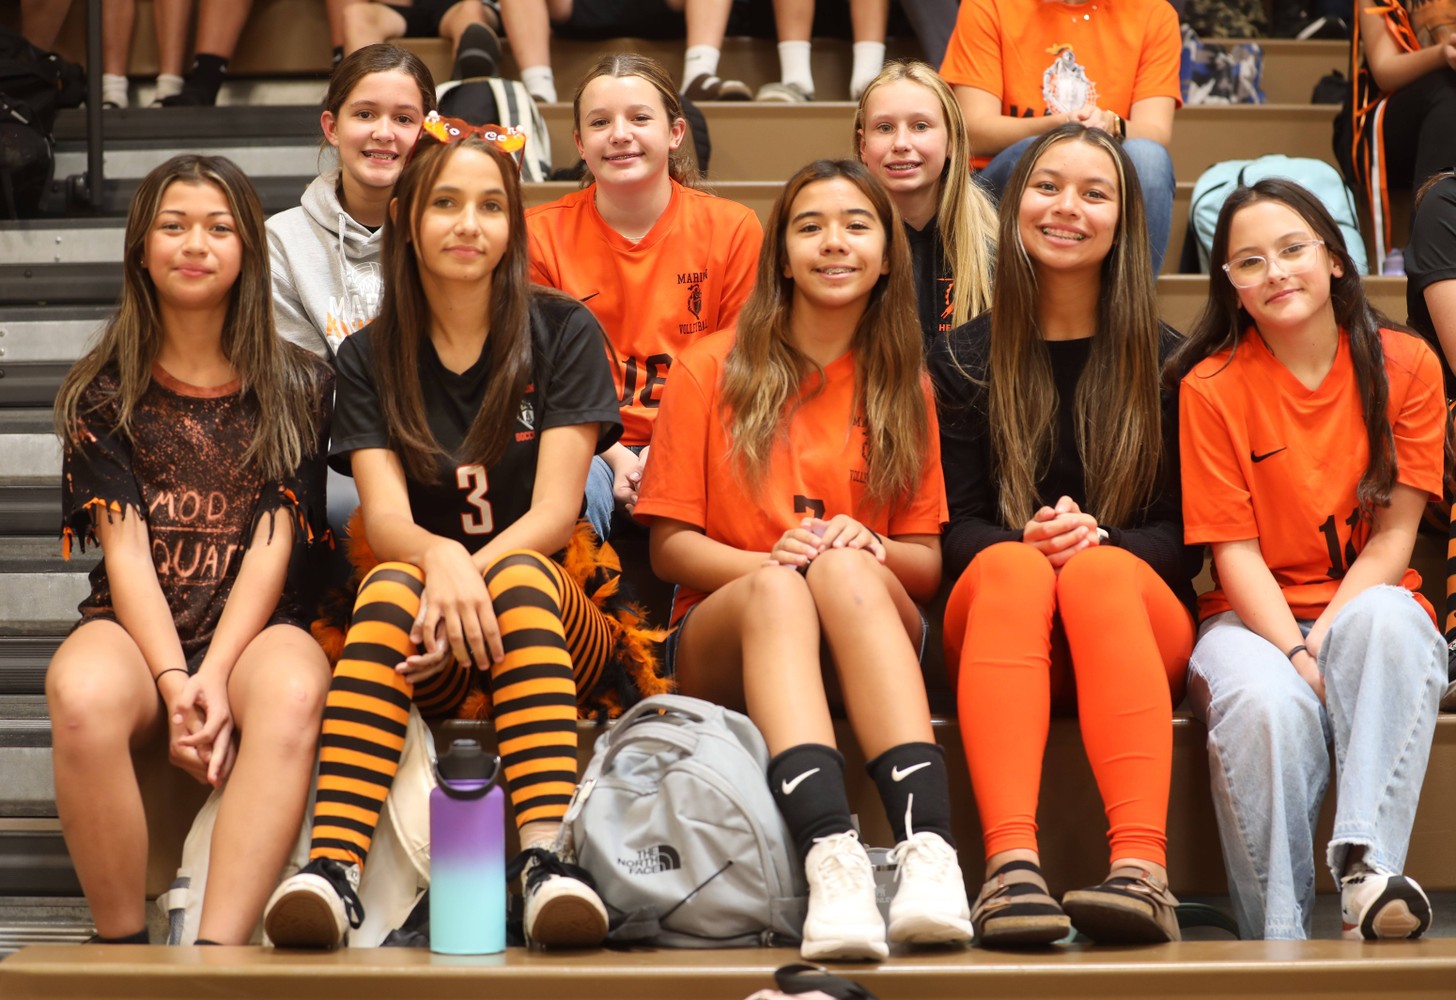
{"x": 1430, "y": 258}
{"x": 675, "y": 483}
{"x": 956, "y": 363}
{"x": 973, "y": 55}
{"x": 358, "y": 419}
{"x": 740, "y": 268}
{"x": 576, "y": 382}
{"x": 1418, "y": 420}
{"x": 1217, "y": 504}
{"x": 1160, "y": 59}
{"x": 96, "y": 472}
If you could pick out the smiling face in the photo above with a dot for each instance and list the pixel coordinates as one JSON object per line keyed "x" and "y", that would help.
{"x": 193, "y": 252}
{"x": 624, "y": 133}
{"x": 905, "y": 137}
{"x": 375, "y": 128}
{"x": 1282, "y": 301}
{"x": 836, "y": 245}
{"x": 1069, "y": 209}
{"x": 462, "y": 224}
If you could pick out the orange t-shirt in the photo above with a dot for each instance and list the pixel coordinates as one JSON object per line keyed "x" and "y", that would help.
{"x": 818, "y": 467}
{"x": 1043, "y": 58}
{"x": 689, "y": 275}
{"x": 1266, "y": 458}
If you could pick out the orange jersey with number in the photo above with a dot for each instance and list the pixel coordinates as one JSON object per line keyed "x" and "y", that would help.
{"x": 689, "y": 276}
{"x": 818, "y": 467}
{"x": 1264, "y": 457}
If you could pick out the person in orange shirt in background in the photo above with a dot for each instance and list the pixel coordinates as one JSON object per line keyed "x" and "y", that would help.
{"x": 1312, "y": 438}
{"x": 659, "y": 262}
{"x": 1021, "y": 68}
{"x": 795, "y": 496}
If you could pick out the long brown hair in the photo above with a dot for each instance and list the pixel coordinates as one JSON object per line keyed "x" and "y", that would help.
{"x": 764, "y": 372}
{"x": 1223, "y": 322}
{"x": 681, "y": 166}
{"x": 1117, "y": 418}
{"x": 404, "y": 320}
{"x": 966, "y": 217}
{"x": 280, "y": 377}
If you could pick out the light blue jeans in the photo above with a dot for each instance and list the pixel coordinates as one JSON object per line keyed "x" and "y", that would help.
{"x": 1384, "y": 666}
{"x": 600, "y": 503}
{"x": 1154, "y": 166}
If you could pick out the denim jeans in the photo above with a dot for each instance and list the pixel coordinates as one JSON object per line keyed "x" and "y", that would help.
{"x": 600, "y": 503}
{"x": 1154, "y": 166}
{"x": 1384, "y": 666}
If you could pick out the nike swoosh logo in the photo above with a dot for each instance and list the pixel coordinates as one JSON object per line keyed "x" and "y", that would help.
{"x": 898, "y": 775}
{"x": 1268, "y": 454}
{"x": 789, "y": 786}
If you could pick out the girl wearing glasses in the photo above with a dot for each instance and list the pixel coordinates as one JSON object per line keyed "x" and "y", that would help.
{"x": 1312, "y": 437}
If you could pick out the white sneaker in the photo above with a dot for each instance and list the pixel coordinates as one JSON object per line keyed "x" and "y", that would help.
{"x": 1377, "y": 905}
{"x": 315, "y": 907}
{"x": 930, "y": 905}
{"x": 562, "y": 908}
{"x": 844, "y": 920}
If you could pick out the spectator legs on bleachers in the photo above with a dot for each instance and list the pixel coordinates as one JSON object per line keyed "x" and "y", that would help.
{"x": 219, "y": 25}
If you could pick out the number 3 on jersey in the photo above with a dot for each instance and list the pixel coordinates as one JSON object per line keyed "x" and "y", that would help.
{"x": 478, "y": 521}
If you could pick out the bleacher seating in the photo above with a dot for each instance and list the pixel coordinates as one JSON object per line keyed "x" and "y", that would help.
{"x": 57, "y": 279}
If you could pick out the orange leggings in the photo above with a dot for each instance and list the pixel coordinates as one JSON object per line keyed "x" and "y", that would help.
{"x": 1018, "y": 636}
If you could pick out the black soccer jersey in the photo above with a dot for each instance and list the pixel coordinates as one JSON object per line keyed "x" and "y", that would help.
{"x": 571, "y": 384}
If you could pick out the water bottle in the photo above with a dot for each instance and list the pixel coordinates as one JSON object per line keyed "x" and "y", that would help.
{"x": 467, "y": 854}
{"x": 1394, "y": 265}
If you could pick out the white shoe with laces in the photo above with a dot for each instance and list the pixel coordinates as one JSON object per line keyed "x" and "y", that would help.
{"x": 844, "y": 920}
{"x": 930, "y": 904}
{"x": 562, "y": 908}
{"x": 315, "y": 907}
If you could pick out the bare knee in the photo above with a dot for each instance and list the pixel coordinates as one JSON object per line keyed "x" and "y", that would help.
{"x": 775, "y": 591}
{"x": 87, "y": 708}
{"x": 363, "y": 24}
{"x": 845, "y": 576}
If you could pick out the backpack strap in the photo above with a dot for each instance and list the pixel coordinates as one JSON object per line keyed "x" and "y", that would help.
{"x": 698, "y": 125}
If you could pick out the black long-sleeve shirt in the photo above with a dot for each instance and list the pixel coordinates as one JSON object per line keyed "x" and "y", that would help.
{"x": 957, "y": 364}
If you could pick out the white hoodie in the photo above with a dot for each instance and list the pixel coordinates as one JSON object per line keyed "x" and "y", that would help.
{"x": 327, "y": 280}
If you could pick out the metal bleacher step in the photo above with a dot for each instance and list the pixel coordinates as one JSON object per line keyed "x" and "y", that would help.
{"x": 39, "y": 592}
{"x": 38, "y": 344}
{"x": 30, "y": 476}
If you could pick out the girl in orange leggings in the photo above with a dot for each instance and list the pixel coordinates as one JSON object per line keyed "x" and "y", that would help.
{"x": 1073, "y": 584}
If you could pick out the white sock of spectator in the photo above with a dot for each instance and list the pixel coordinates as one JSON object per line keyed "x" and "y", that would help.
{"x": 113, "y": 89}
{"x": 794, "y": 65}
{"x": 168, "y": 85}
{"x": 699, "y": 60}
{"x": 869, "y": 59}
{"x": 540, "y": 83}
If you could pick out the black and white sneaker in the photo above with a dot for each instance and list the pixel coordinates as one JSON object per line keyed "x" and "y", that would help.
{"x": 1379, "y": 905}
{"x": 478, "y": 55}
{"x": 315, "y": 907}
{"x": 562, "y": 908}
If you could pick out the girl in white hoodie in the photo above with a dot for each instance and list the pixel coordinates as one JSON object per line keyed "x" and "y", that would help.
{"x": 325, "y": 253}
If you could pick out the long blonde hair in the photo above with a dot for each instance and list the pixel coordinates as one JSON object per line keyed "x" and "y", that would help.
{"x": 966, "y": 218}
{"x": 280, "y": 377}
{"x": 764, "y": 372}
{"x": 1118, "y": 418}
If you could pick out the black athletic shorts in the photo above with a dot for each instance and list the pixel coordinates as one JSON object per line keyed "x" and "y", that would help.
{"x": 594, "y": 20}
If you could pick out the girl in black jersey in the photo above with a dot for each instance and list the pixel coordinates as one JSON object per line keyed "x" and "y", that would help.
{"x": 468, "y": 413}
{"x": 194, "y": 456}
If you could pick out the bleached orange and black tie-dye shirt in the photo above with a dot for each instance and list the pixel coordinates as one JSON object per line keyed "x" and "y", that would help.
{"x": 181, "y": 468}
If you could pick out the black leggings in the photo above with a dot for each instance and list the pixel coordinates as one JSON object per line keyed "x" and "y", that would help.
{"x": 1420, "y": 130}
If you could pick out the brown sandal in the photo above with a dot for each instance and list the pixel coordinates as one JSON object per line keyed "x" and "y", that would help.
{"x": 1014, "y": 909}
{"x": 1129, "y": 907}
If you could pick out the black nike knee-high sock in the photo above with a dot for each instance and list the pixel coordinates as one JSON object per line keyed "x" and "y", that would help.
{"x": 914, "y": 788}
{"x": 808, "y": 785}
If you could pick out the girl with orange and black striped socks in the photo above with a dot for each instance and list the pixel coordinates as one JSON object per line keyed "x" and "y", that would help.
{"x": 469, "y": 413}
{"x": 1072, "y": 581}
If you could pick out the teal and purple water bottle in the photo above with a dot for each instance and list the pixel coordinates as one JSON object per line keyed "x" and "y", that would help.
{"x": 467, "y": 853}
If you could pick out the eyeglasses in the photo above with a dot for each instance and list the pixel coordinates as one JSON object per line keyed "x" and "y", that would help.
{"x": 1246, "y": 272}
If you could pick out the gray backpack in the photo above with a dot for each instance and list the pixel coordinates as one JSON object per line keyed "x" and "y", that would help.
{"x": 675, "y": 822}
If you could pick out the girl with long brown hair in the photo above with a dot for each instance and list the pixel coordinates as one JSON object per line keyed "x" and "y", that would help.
{"x": 909, "y": 131}
{"x": 468, "y": 414}
{"x": 795, "y": 498}
{"x": 194, "y": 444}
{"x": 658, "y": 261}
{"x": 1072, "y": 582}
{"x": 1313, "y": 436}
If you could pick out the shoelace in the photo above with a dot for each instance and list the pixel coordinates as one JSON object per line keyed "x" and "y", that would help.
{"x": 924, "y": 851}
{"x": 540, "y": 864}
{"x": 335, "y": 875}
{"x": 844, "y": 868}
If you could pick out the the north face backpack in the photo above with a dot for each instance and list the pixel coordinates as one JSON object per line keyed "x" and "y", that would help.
{"x": 1219, "y": 181}
{"x": 495, "y": 101}
{"x": 676, "y": 824}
